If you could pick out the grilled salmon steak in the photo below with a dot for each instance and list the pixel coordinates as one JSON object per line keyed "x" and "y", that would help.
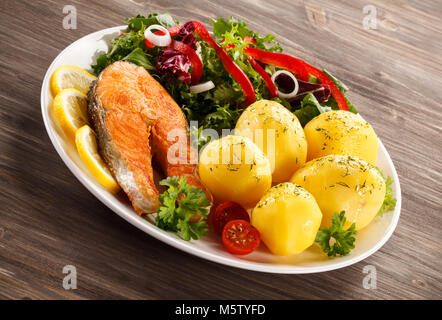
{"x": 137, "y": 121}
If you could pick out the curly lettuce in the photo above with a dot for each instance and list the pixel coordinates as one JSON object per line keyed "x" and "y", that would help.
{"x": 389, "y": 202}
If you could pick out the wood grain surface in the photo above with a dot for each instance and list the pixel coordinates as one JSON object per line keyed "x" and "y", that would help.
{"x": 49, "y": 220}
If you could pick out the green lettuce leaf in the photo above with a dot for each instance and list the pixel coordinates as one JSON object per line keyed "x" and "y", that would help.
{"x": 331, "y": 102}
{"x": 121, "y": 47}
{"x": 138, "y": 57}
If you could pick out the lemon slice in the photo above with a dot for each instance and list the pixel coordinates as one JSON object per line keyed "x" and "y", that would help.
{"x": 71, "y": 77}
{"x": 86, "y": 143}
{"x": 70, "y": 108}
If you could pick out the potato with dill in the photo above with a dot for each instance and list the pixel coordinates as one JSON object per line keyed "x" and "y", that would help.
{"x": 341, "y": 132}
{"x": 233, "y": 168}
{"x": 288, "y": 218}
{"x": 278, "y": 133}
{"x": 343, "y": 183}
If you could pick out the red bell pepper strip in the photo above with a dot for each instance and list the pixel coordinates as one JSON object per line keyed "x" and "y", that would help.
{"x": 334, "y": 90}
{"x": 228, "y": 64}
{"x": 301, "y": 68}
{"x": 270, "y": 85}
{"x": 173, "y": 31}
{"x": 279, "y": 60}
{"x": 197, "y": 66}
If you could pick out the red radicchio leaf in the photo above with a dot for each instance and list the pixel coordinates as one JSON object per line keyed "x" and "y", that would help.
{"x": 173, "y": 62}
{"x": 286, "y": 84}
{"x": 186, "y": 34}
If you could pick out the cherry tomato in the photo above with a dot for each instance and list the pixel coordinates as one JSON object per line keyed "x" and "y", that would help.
{"x": 240, "y": 237}
{"x": 226, "y": 212}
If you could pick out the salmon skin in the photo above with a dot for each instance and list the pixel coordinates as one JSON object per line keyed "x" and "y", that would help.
{"x": 132, "y": 115}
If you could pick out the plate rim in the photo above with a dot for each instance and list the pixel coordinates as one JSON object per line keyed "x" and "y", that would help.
{"x": 178, "y": 243}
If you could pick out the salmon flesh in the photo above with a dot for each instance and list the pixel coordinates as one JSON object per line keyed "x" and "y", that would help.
{"x": 132, "y": 115}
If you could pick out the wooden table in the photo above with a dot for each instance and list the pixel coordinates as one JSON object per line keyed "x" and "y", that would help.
{"x": 49, "y": 220}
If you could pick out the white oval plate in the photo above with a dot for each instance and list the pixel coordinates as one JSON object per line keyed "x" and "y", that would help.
{"x": 83, "y": 53}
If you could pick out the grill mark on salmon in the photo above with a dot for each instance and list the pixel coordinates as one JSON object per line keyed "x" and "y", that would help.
{"x": 132, "y": 115}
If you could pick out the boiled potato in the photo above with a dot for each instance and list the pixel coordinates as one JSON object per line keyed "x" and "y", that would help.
{"x": 278, "y": 133}
{"x": 288, "y": 218}
{"x": 233, "y": 168}
{"x": 341, "y": 132}
{"x": 343, "y": 183}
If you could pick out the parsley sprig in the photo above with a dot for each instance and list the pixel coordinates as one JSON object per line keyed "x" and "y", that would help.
{"x": 389, "y": 199}
{"x": 178, "y": 204}
{"x": 343, "y": 239}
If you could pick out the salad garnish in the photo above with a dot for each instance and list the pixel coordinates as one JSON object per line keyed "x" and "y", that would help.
{"x": 175, "y": 63}
{"x": 285, "y": 82}
{"x": 238, "y": 62}
{"x": 280, "y": 60}
{"x": 273, "y": 91}
{"x": 160, "y": 38}
{"x": 235, "y": 71}
{"x": 292, "y": 81}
